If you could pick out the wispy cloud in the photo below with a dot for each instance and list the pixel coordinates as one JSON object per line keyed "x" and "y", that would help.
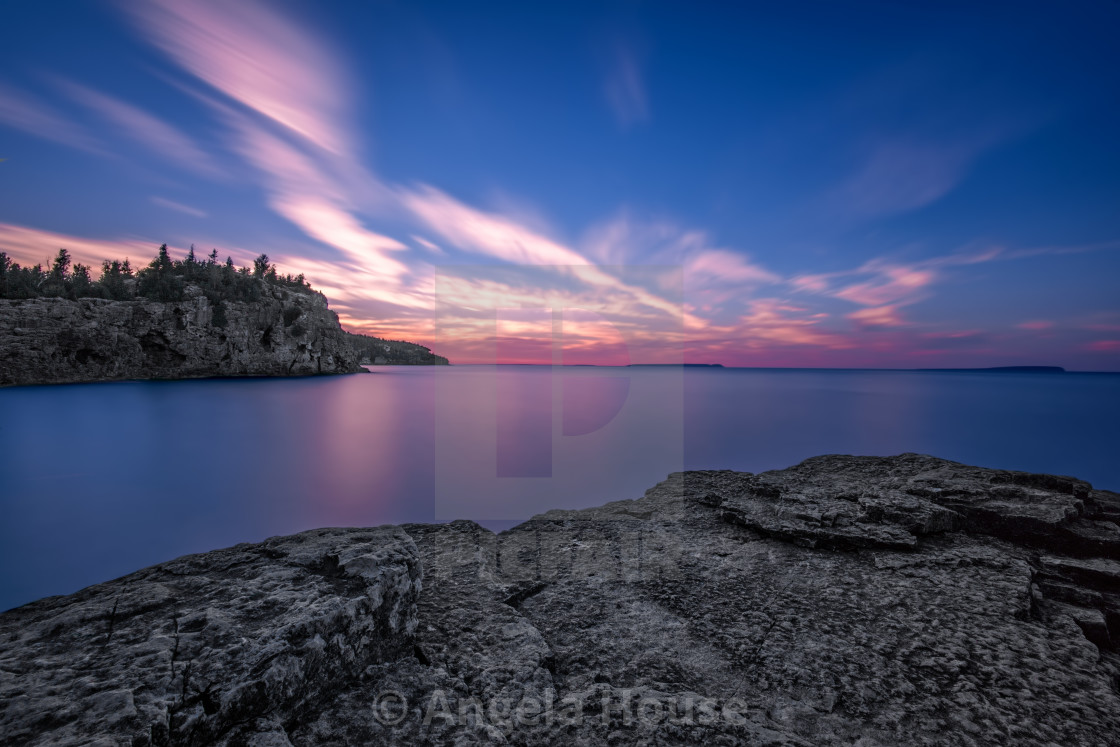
{"x": 25, "y": 112}
{"x": 140, "y": 126}
{"x": 884, "y": 285}
{"x": 257, "y": 57}
{"x": 725, "y": 267}
{"x": 771, "y": 321}
{"x": 178, "y": 206}
{"x": 877, "y": 316}
{"x": 901, "y": 176}
{"x": 624, "y": 88}
{"x": 477, "y": 231}
{"x": 888, "y": 284}
{"x": 431, "y": 247}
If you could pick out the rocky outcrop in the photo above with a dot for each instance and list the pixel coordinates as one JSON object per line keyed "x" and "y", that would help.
{"x": 209, "y": 647}
{"x": 378, "y": 352}
{"x": 847, "y": 600}
{"x": 56, "y": 340}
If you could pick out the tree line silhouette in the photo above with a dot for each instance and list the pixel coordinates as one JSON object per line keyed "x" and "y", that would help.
{"x": 163, "y": 279}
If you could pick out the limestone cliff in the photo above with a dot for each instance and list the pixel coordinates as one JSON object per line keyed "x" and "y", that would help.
{"x": 847, "y": 600}
{"x": 56, "y": 340}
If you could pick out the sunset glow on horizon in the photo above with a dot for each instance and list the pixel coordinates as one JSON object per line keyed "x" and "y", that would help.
{"x": 746, "y": 185}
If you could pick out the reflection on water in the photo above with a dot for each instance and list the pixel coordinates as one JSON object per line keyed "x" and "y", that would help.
{"x": 99, "y": 480}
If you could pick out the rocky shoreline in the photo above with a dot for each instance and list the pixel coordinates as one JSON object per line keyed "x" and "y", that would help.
{"x": 846, "y": 600}
{"x": 285, "y": 333}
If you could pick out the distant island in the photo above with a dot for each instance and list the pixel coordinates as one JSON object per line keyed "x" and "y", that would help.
{"x": 175, "y": 319}
{"x": 1000, "y": 369}
{"x": 678, "y": 365}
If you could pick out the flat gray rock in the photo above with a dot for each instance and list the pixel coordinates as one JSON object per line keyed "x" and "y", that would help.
{"x": 847, "y": 600}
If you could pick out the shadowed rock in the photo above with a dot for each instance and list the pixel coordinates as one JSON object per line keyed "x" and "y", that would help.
{"x": 56, "y": 340}
{"x": 902, "y": 600}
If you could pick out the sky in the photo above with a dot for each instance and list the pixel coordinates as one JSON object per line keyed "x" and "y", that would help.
{"x": 819, "y": 184}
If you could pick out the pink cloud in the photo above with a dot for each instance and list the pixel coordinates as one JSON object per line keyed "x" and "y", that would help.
{"x": 257, "y": 57}
{"x": 887, "y": 283}
{"x": 1038, "y": 325}
{"x": 771, "y": 321}
{"x": 878, "y": 316}
{"x": 496, "y": 235}
{"x": 331, "y": 225}
{"x": 892, "y": 284}
{"x": 726, "y": 268}
{"x": 810, "y": 283}
{"x": 1104, "y": 346}
{"x": 474, "y": 230}
{"x": 431, "y": 247}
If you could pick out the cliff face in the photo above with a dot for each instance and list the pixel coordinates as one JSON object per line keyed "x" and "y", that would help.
{"x": 55, "y": 340}
{"x": 848, "y": 600}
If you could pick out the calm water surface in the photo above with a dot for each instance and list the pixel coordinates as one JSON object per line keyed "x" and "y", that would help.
{"x": 99, "y": 480}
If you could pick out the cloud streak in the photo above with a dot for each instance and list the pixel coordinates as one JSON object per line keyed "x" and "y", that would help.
{"x": 138, "y": 125}
{"x": 257, "y": 57}
{"x": 25, "y": 112}
{"x": 624, "y": 89}
{"x": 178, "y": 207}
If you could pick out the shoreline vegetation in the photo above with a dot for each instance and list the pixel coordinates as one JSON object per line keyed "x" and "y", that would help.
{"x": 172, "y": 319}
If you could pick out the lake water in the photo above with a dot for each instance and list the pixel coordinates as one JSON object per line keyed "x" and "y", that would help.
{"x": 99, "y": 480}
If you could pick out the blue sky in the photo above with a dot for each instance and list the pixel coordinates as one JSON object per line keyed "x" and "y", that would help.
{"x": 825, "y": 184}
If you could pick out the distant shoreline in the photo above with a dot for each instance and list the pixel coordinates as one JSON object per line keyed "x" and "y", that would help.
{"x": 988, "y": 370}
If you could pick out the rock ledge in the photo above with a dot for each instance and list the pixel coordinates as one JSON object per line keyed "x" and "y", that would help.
{"x": 844, "y": 600}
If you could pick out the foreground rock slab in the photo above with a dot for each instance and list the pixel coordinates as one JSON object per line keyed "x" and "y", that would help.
{"x": 847, "y": 600}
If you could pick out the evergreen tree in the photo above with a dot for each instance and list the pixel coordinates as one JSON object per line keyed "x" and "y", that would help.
{"x": 261, "y": 266}
{"x": 81, "y": 283}
{"x": 61, "y": 267}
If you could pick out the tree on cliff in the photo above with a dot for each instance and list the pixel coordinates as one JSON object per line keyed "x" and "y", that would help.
{"x": 158, "y": 280}
{"x": 163, "y": 279}
{"x": 56, "y": 283}
{"x": 115, "y": 279}
{"x": 60, "y": 270}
